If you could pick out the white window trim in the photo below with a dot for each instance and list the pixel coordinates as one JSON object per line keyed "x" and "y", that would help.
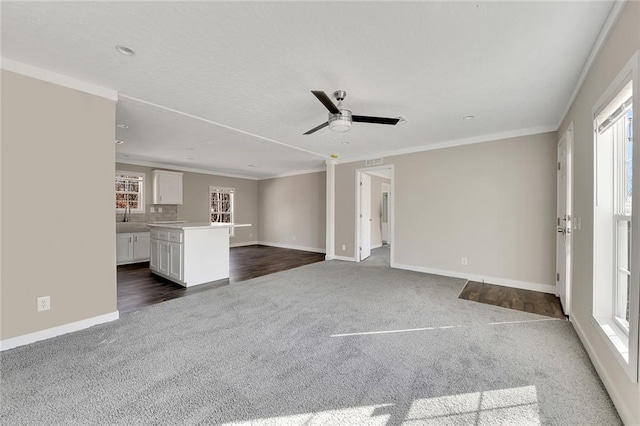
{"x": 142, "y": 202}
{"x": 213, "y": 189}
{"x": 624, "y": 346}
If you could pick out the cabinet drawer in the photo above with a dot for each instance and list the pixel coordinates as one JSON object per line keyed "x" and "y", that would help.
{"x": 154, "y": 234}
{"x": 163, "y": 235}
{"x": 175, "y": 237}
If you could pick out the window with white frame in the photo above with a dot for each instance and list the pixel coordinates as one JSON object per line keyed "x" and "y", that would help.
{"x": 221, "y": 205}
{"x": 129, "y": 191}
{"x": 614, "y": 274}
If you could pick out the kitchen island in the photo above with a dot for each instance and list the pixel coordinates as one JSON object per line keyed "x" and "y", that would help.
{"x": 191, "y": 253}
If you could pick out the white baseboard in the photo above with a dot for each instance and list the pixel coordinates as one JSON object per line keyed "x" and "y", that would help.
{"x": 544, "y": 288}
{"x": 376, "y": 246}
{"x": 26, "y": 339}
{"x": 292, "y": 247}
{"x": 344, "y": 258}
{"x": 248, "y": 243}
{"x": 623, "y": 410}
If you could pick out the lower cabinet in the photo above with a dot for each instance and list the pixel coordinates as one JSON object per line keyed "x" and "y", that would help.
{"x": 167, "y": 257}
{"x": 175, "y": 261}
{"x": 132, "y": 247}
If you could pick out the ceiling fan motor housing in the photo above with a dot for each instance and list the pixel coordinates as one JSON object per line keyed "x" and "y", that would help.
{"x": 340, "y": 122}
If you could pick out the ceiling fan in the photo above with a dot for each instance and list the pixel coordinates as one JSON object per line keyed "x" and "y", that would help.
{"x": 340, "y": 117}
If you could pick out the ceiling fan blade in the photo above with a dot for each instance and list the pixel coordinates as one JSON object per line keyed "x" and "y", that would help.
{"x": 326, "y": 101}
{"x": 315, "y": 129}
{"x": 375, "y": 120}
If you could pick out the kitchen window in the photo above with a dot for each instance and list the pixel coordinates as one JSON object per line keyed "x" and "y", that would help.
{"x": 221, "y": 205}
{"x": 129, "y": 191}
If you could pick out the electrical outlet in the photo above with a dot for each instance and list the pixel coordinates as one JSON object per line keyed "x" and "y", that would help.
{"x": 250, "y": 235}
{"x": 344, "y": 247}
{"x": 159, "y": 209}
{"x": 152, "y": 210}
{"x": 464, "y": 261}
{"x": 44, "y": 303}
{"x": 294, "y": 238}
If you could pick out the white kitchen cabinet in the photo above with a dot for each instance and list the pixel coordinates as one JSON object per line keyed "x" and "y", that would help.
{"x": 175, "y": 261}
{"x": 141, "y": 246}
{"x": 132, "y": 247}
{"x": 163, "y": 258}
{"x": 167, "y": 187}
{"x": 155, "y": 252}
{"x": 191, "y": 253}
{"x": 124, "y": 248}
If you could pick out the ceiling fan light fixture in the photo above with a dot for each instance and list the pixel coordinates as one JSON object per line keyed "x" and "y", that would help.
{"x": 340, "y": 122}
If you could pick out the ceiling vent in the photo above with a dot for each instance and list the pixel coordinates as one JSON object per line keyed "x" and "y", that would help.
{"x": 374, "y": 162}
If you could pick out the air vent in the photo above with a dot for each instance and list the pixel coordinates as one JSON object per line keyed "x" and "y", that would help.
{"x": 374, "y": 162}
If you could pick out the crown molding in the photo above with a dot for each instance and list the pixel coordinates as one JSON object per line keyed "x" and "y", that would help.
{"x": 456, "y": 142}
{"x": 55, "y": 78}
{"x": 296, "y": 173}
{"x": 182, "y": 168}
{"x": 612, "y": 18}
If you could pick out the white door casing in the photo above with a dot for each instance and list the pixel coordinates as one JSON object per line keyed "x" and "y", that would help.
{"x": 564, "y": 219}
{"x": 365, "y": 216}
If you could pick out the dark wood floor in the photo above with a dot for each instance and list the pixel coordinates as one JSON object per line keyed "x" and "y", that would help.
{"x": 513, "y": 298}
{"x": 138, "y": 287}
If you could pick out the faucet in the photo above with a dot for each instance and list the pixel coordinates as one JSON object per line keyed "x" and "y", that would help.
{"x": 127, "y": 214}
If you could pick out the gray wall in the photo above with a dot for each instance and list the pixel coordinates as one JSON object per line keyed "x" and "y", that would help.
{"x": 195, "y": 199}
{"x": 622, "y": 42}
{"x": 58, "y": 232}
{"x": 291, "y": 211}
{"x": 493, "y": 203}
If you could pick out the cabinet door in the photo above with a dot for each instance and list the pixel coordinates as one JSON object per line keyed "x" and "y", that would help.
{"x": 163, "y": 263}
{"x": 124, "y": 247}
{"x": 175, "y": 261}
{"x": 141, "y": 246}
{"x": 167, "y": 187}
{"x": 155, "y": 253}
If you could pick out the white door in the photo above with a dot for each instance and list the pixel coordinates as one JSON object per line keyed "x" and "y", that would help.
{"x": 141, "y": 246}
{"x": 365, "y": 216}
{"x": 175, "y": 261}
{"x": 564, "y": 220}
{"x": 155, "y": 253}
{"x": 163, "y": 263}
{"x": 124, "y": 247}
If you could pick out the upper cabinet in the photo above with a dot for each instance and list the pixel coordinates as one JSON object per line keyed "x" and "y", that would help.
{"x": 167, "y": 187}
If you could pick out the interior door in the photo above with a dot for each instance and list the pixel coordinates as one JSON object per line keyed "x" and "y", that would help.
{"x": 385, "y": 213}
{"x": 365, "y": 216}
{"x": 563, "y": 221}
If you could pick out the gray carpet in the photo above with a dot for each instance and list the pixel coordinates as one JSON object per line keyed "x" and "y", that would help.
{"x": 328, "y": 343}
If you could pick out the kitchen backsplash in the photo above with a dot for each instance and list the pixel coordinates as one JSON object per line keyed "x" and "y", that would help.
{"x": 169, "y": 212}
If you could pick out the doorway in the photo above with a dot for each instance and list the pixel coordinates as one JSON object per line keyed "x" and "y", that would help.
{"x": 564, "y": 220}
{"x": 374, "y": 215}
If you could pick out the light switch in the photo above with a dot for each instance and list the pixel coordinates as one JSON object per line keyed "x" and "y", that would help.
{"x": 159, "y": 209}
{"x": 152, "y": 210}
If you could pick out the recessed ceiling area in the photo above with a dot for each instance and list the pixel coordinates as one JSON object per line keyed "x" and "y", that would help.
{"x": 241, "y": 73}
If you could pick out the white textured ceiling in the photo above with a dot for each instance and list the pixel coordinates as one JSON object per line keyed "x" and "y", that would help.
{"x": 251, "y": 66}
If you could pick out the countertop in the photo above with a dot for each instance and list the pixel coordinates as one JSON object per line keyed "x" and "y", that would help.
{"x": 195, "y": 225}
{"x": 129, "y": 227}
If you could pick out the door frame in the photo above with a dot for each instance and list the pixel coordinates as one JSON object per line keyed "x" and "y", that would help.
{"x": 568, "y": 137}
{"x": 391, "y": 242}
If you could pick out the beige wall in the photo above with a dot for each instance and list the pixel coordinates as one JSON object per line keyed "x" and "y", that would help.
{"x": 58, "y": 232}
{"x": 493, "y": 203}
{"x": 291, "y": 211}
{"x": 622, "y": 42}
{"x": 195, "y": 198}
{"x": 376, "y": 209}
